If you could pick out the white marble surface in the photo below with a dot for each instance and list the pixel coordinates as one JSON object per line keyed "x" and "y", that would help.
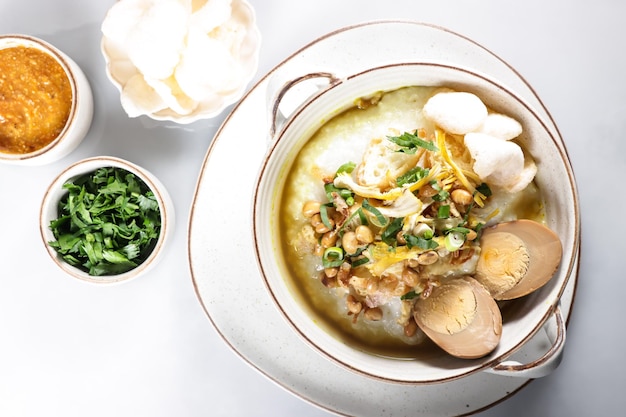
{"x": 146, "y": 348}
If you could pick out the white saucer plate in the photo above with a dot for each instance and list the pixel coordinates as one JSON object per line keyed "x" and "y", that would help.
{"x": 221, "y": 256}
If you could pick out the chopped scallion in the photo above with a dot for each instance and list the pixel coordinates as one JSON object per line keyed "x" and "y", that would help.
{"x": 442, "y": 194}
{"x": 324, "y": 216}
{"x": 484, "y": 189}
{"x": 360, "y": 261}
{"x": 333, "y": 257}
{"x": 410, "y": 142}
{"x": 443, "y": 212}
{"x": 381, "y": 219}
{"x": 412, "y": 176}
{"x": 420, "y": 242}
{"x": 463, "y": 230}
{"x": 348, "y": 167}
{"x": 454, "y": 240}
{"x": 409, "y": 295}
{"x": 389, "y": 234}
{"x": 343, "y": 192}
{"x": 423, "y": 230}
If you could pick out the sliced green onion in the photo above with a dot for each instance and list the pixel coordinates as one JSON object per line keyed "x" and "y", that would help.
{"x": 443, "y": 212}
{"x": 442, "y": 194}
{"x": 412, "y": 176}
{"x": 359, "y": 251}
{"x": 360, "y": 261}
{"x": 454, "y": 240}
{"x": 344, "y": 193}
{"x": 358, "y": 212}
{"x": 324, "y": 216}
{"x": 484, "y": 190}
{"x": 479, "y": 230}
{"x": 389, "y": 234}
{"x": 362, "y": 217}
{"x": 333, "y": 257}
{"x": 409, "y": 295}
{"x": 469, "y": 210}
{"x": 423, "y": 230}
{"x": 381, "y": 219}
{"x": 347, "y": 168}
{"x": 459, "y": 229}
{"x": 411, "y": 141}
{"x": 420, "y": 242}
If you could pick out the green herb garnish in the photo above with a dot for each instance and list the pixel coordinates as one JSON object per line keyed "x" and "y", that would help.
{"x": 344, "y": 193}
{"x": 379, "y": 217}
{"x": 443, "y": 212}
{"x": 412, "y": 176}
{"x": 357, "y": 212}
{"x": 347, "y": 168}
{"x": 389, "y": 234}
{"x": 360, "y": 261}
{"x": 409, "y": 295}
{"x": 109, "y": 222}
{"x": 479, "y": 229}
{"x": 463, "y": 230}
{"x": 410, "y": 142}
{"x": 442, "y": 194}
{"x": 324, "y": 216}
{"x": 420, "y": 242}
{"x": 484, "y": 189}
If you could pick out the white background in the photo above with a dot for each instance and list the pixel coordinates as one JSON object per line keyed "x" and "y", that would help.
{"x": 146, "y": 348}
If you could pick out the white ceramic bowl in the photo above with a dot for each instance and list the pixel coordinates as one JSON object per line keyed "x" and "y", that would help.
{"x": 120, "y": 69}
{"x": 54, "y": 193}
{"x": 81, "y": 111}
{"x": 531, "y": 313}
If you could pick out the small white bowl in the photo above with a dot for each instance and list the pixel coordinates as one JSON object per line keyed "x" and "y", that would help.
{"x": 120, "y": 69}
{"x": 54, "y": 193}
{"x": 81, "y": 111}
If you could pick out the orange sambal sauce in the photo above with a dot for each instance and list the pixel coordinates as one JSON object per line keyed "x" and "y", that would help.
{"x": 35, "y": 99}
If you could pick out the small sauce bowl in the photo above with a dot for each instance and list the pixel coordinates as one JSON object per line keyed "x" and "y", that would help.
{"x": 48, "y": 103}
{"x": 50, "y": 211}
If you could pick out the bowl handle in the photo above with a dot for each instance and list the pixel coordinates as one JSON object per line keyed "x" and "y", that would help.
{"x": 278, "y": 116}
{"x": 555, "y": 330}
